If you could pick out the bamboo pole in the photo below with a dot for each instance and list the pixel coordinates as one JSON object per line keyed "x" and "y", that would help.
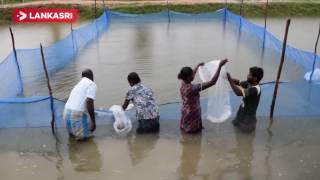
{"x": 95, "y": 8}
{"x": 279, "y": 71}
{"x": 315, "y": 55}
{"x": 73, "y": 43}
{"x": 224, "y": 20}
{"x": 265, "y": 28}
{"x": 16, "y": 61}
{"x": 225, "y": 16}
{"x": 50, "y": 90}
{"x": 104, "y": 4}
{"x": 95, "y": 17}
{"x": 266, "y": 15}
{"x": 241, "y": 6}
{"x": 168, "y": 11}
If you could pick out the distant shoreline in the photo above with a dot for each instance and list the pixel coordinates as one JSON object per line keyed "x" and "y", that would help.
{"x": 275, "y": 9}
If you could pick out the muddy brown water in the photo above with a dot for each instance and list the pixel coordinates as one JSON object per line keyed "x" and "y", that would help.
{"x": 289, "y": 151}
{"x": 157, "y": 51}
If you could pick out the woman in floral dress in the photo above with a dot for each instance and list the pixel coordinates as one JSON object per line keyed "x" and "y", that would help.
{"x": 190, "y": 93}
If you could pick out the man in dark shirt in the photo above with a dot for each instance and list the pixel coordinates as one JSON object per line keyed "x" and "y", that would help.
{"x": 250, "y": 91}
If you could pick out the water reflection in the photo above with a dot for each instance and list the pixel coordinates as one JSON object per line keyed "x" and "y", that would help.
{"x": 244, "y": 153}
{"x": 59, "y": 163}
{"x": 190, "y": 157}
{"x": 85, "y": 156}
{"x": 140, "y": 146}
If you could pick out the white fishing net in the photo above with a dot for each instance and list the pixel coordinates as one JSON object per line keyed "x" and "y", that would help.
{"x": 122, "y": 124}
{"x": 219, "y": 107}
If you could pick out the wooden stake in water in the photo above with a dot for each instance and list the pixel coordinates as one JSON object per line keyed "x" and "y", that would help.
{"x": 16, "y": 61}
{"x": 50, "y": 90}
{"x": 279, "y": 71}
{"x": 315, "y": 56}
{"x": 73, "y": 43}
{"x": 95, "y": 8}
{"x": 168, "y": 11}
{"x": 104, "y": 4}
{"x": 266, "y": 15}
{"x": 265, "y": 29}
{"x": 224, "y": 20}
{"x": 241, "y": 6}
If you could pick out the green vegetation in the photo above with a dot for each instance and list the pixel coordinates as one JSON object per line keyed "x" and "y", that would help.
{"x": 14, "y": 1}
{"x": 249, "y": 10}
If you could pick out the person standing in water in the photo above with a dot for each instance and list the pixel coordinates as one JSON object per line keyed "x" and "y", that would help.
{"x": 147, "y": 111}
{"x": 79, "y": 109}
{"x": 250, "y": 91}
{"x": 190, "y": 93}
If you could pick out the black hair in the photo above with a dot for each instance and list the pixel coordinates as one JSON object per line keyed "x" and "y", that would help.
{"x": 134, "y": 78}
{"x": 88, "y": 74}
{"x": 185, "y": 74}
{"x": 257, "y": 72}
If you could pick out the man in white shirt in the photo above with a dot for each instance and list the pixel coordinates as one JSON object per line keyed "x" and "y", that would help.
{"x": 79, "y": 109}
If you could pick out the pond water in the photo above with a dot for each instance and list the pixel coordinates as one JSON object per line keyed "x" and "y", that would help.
{"x": 289, "y": 151}
{"x": 157, "y": 51}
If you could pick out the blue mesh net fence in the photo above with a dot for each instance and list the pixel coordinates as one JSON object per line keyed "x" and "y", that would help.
{"x": 21, "y": 109}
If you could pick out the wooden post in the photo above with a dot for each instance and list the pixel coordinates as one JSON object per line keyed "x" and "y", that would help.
{"x": 224, "y": 19}
{"x": 95, "y": 8}
{"x": 168, "y": 11}
{"x": 266, "y": 14}
{"x": 16, "y": 61}
{"x": 265, "y": 28}
{"x": 279, "y": 71}
{"x": 49, "y": 88}
{"x": 95, "y": 17}
{"x": 104, "y": 4}
{"x": 240, "y": 25}
{"x": 74, "y": 42}
{"x": 241, "y": 5}
{"x": 315, "y": 56}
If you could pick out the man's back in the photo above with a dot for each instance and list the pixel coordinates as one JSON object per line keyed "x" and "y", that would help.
{"x": 83, "y": 90}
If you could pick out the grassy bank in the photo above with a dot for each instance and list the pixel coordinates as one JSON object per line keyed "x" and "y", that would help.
{"x": 249, "y": 10}
{"x": 15, "y": 1}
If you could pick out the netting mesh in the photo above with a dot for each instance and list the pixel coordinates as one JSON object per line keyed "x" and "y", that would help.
{"x": 56, "y": 55}
{"x": 22, "y": 111}
{"x": 245, "y": 27}
{"x": 28, "y": 112}
{"x": 9, "y": 78}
